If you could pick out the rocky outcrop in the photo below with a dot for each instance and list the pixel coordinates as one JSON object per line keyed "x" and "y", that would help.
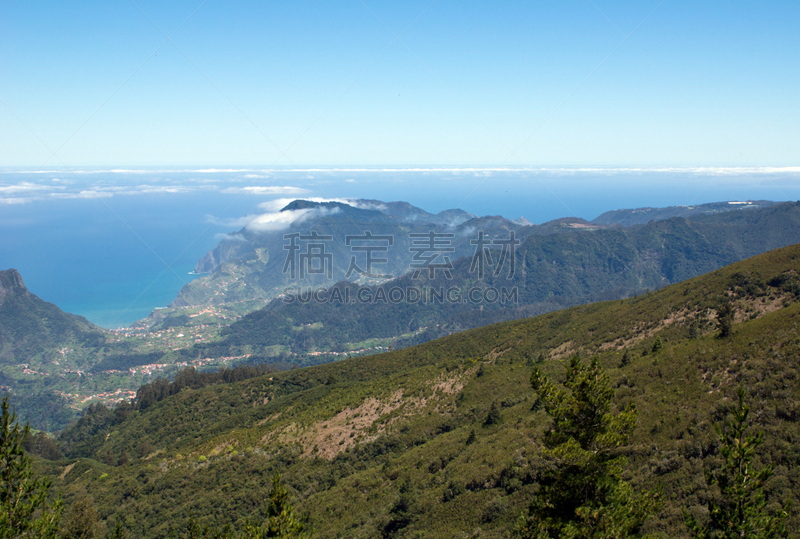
{"x": 11, "y": 284}
{"x": 29, "y": 325}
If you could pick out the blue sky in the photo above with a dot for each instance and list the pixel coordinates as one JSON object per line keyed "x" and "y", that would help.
{"x": 570, "y": 83}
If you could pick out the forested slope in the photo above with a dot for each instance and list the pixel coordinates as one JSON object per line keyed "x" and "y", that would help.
{"x": 445, "y": 438}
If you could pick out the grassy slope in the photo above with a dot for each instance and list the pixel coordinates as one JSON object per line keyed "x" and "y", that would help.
{"x": 379, "y": 443}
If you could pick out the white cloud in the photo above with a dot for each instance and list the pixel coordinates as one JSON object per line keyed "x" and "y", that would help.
{"x": 368, "y": 206}
{"x": 481, "y": 170}
{"x": 82, "y": 194}
{"x": 213, "y": 170}
{"x": 24, "y": 187}
{"x": 468, "y": 231}
{"x": 266, "y": 190}
{"x": 235, "y": 236}
{"x": 270, "y": 222}
{"x": 150, "y": 189}
{"x": 281, "y": 220}
{"x": 19, "y": 200}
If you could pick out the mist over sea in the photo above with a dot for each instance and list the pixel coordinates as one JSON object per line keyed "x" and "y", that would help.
{"x": 111, "y": 245}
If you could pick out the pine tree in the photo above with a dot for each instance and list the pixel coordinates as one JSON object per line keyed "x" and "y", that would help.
{"x": 626, "y": 359}
{"x": 658, "y": 345}
{"x": 281, "y": 522}
{"x": 118, "y": 532}
{"x": 741, "y": 512}
{"x": 24, "y": 508}
{"x": 493, "y": 417}
{"x": 725, "y": 319}
{"x": 582, "y": 494}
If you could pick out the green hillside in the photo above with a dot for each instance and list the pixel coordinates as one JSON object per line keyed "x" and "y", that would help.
{"x": 37, "y": 339}
{"x": 641, "y": 216}
{"x": 30, "y": 326}
{"x": 445, "y": 439}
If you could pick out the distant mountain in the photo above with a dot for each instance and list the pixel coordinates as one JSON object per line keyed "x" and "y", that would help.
{"x": 405, "y": 212}
{"x": 249, "y": 268}
{"x": 29, "y": 325}
{"x": 348, "y": 217}
{"x": 575, "y": 263}
{"x": 522, "y": 221}
{"x": 640, "y": 216}
{"x": 36, "y": 337}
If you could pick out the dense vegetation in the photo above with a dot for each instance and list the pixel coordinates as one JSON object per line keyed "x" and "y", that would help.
{"x": 86, "y": 435}
{"x": 30, "y": 326}
{"x": 741, "y": 510}
{"x": 449, "y": 438}
{"x": 25, "y": 511}
{"x": 582, "y": 494}
{"x": 34, "y": 332}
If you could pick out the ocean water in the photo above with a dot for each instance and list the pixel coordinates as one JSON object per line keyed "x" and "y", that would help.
{"x": 112, "y": 261}
{"x": 112, "y": 245}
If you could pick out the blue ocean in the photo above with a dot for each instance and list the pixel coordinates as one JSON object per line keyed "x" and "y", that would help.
{"x": 113, "y": 261}
{"x": 112, "y": 245}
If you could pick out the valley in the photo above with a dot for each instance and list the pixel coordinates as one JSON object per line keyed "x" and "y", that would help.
{"x": 240, "y": 313}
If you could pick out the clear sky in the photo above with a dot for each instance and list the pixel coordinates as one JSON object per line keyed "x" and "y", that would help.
{"x": 572, "y": 82}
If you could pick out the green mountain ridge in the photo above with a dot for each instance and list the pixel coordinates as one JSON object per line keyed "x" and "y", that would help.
{"x": 444, "y": 439}
{"x": 552, "y": 271}
{"x": 640, "y": 216}
{"x": 54, "y": 375}
{"x": 37, "y": 340}
{"x": 29, "y": 325}
{"x": 247, "y": 268}
{"x": 54, "y": 363}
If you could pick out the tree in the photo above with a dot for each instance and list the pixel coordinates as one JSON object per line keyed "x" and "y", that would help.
{"x": 694, "y": 329}
{"x": 118, "y": 532}
{"x": 194, "y": 530}
{"x": 741, "y": 512}
{"x": 24, "y": 508}
{"x": 658, "y": 345}
{"x": 81, "y": 521}
{"x": 281, "y": 520}
{"x": 472, "y": 437}
{"x": 44, "y": 446}
{"x": 725, "y": 319}
{"x": 626, "y": 359}
{"x": 582, "y": 493}
{"x": 493, "y": 417}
